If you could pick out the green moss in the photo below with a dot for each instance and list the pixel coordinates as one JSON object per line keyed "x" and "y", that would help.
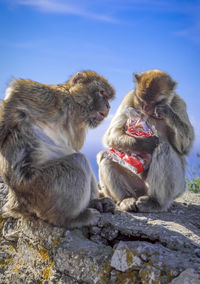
{"x": 1, "y": 219}
{"x": 2, "y": 263}
{"x": 56, "y": 241}
{"x": 47, "y": 272}
{"x": 104, "y": 277}
{"x": 44, "y": 255}
{"x": 128, "y": 277}
{"x": 129, "y": 257}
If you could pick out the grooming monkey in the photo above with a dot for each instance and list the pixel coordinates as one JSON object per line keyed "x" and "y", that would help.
{"x": 42, "y": 129}
{"x": 164, "y": 180}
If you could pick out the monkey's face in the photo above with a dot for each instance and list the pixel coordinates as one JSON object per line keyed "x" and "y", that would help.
{"x": 92, "y": 93}
{"x": 98, "y": 108}
{"x": 152, "y": 88}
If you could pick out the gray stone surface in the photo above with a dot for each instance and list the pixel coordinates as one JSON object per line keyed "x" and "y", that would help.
{"x": 123, "y": 248}
{"x": 186, "y": 277}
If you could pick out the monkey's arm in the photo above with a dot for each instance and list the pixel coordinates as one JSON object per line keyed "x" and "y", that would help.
{"x": 116, "y": 136}
{"x": 181, "y": 133}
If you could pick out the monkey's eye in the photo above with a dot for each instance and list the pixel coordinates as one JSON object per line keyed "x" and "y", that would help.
{"x": 102, "y": 92}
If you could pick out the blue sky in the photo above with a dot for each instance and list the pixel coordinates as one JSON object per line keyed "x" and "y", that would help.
{"x": 48, "y": 40}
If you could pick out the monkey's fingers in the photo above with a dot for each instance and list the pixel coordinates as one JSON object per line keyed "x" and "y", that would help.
{"x": 148, "y": 204}
{"x": 96, "y": 204}
{"x": 128, "y": 204}
{"x": 108, "y": 205}
{"x": 103, "y": 204}
{"x": 162, "y": 110}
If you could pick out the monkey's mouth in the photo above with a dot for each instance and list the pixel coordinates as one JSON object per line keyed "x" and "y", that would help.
{"x": 96, "y": 119}
{"x": 100, "y": 115}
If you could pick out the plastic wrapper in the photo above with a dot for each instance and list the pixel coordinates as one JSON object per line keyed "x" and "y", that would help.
{"x": 136, "y": 126}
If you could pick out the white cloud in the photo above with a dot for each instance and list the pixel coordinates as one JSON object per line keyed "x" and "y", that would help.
{"x": 191, "y": 33}
{"x": 23, "y": 44}
{"x": 77, "y": 8}
{"x": 105, "y": 9}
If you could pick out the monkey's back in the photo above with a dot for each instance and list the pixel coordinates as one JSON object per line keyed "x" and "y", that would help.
{"x": 31, "y": 132}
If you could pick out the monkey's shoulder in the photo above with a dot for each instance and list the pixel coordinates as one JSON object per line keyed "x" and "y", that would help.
{"x": 29, "y": 88}
{"x": 128, "y": 99}
{"x": 19, "y": 84}
{"x": 178, "y": 103}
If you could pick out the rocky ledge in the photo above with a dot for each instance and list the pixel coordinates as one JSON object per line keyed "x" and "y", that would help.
{"x": 123, "y": 248}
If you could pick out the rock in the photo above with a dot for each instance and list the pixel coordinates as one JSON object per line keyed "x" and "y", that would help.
{"x": 123, "y": 259}
{"x": 109, "y": 233}
{"x": 150, "y": 275}
{"x": 124, "y": 248}
{"x": 187, "y": 277}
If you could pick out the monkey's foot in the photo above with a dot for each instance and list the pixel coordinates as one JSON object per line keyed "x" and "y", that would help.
{"x": 148, "y": 204}
{"x": 127, "y": 204}
{"x": 94, "y": 217}
{"x": 89, "y": 217}
{"x": 104, "y": 204}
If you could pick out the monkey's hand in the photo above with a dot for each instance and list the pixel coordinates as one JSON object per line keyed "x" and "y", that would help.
{"x": 127, "y": 204}
{"x": 163, "y": 111}
{"x": 104, "y": 204}
{"x": 145, "y": 145}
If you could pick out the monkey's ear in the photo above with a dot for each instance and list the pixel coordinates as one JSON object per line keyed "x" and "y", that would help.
{"x": 137, "y": 77}
{"x": 77, "y": 77}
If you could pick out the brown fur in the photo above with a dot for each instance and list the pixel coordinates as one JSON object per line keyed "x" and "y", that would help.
{"x": 165, "y": 179}
{"x": 42, "y": 129}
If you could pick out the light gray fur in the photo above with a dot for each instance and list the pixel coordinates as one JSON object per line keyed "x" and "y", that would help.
{"x": 166, "y": 175}
{"x": 155, "y": 189}
{"x": 42, "y": 130}
{"x": 165, "y": 179}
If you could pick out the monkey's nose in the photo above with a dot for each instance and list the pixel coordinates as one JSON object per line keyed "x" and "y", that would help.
{"x": 104, "y": 112}
{"x": 101, "y": 115}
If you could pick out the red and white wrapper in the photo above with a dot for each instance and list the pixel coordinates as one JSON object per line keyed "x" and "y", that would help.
{"x": 138, "y": 128}
{"x": 135, "y": 127}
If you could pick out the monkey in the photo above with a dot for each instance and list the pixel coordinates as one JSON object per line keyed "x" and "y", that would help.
{"x": 155, "y": 189}
{"x": 42, "y": 129}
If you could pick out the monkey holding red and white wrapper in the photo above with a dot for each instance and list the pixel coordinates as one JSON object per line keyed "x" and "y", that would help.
{"x": 138, "y": 127}
{"x": 154, "y": 190}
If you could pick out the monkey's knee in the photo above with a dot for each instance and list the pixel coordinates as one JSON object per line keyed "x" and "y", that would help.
{"x": 100, "y": 156}
{"x": 118, "y": 182}
{"x": 162, "y": 150}
{"x": 170, "y": 164}
{"x": 165, "y": 179}
{"x": 108, "y": 178}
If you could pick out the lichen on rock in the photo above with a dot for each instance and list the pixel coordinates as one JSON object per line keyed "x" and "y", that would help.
{"x": 123, "y": 248}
